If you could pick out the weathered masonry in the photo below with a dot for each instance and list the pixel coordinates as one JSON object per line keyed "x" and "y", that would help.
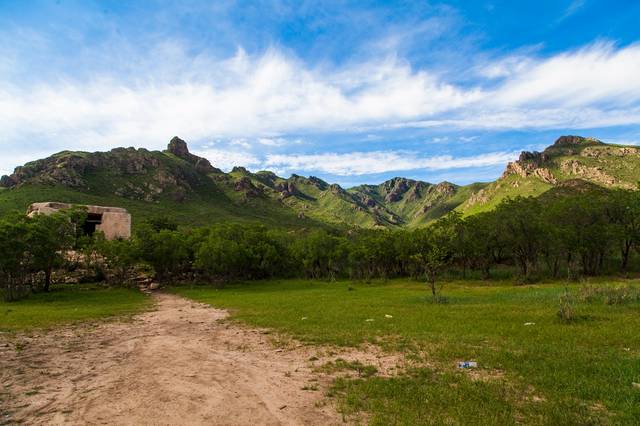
{"x": 114, "y": 222}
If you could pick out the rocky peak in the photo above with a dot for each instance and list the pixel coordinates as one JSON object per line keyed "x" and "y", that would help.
{"x": 318, "y": 183}
{"x": 7, "y": 181}
{"x": 570, "y": 140}
{"x": 444, "y": 187}
{"x": 396, "y": 188}
{"x": 179, "y": 148}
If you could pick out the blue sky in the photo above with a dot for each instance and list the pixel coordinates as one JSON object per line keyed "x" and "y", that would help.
{"x": 353, "y": 92}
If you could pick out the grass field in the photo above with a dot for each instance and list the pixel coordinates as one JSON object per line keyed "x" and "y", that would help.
{"x": 69, "y": 304}
{"x": 548, "y": 372}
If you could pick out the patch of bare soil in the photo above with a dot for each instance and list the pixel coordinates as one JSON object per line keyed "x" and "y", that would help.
{"x": 179, "y": 364}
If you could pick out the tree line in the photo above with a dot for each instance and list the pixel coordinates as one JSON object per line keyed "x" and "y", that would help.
{"x": 590, "y": 233}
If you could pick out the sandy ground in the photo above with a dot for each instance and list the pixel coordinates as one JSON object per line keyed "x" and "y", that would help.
{"x": 181, "y": 363}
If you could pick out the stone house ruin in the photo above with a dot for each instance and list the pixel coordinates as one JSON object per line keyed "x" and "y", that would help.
{"x": 114, "y": 222}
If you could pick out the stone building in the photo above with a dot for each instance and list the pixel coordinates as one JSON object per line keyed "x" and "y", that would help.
{"x": 114, "y": 222}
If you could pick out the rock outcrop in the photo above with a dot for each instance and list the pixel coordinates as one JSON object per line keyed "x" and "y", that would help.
{"x": 591, "y": 173}
{"x": 179, "y": 148}
{"x": 532, "y": 164}
{"x": 246, "y": 186}
{"x": 132, "y": 173}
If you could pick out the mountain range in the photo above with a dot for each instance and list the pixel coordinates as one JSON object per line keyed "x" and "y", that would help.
{"x": 190, "y": 189}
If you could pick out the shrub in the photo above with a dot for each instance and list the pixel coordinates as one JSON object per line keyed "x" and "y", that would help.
{"x": 566, "y": 311}
{"x": 620, "y": 295}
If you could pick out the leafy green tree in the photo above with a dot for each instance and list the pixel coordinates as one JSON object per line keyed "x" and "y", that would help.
{"x": 583, "y": 231}
{"x": 119, "y": 255}
{"x": 434, "y": 248}
{"x": 14, "y": 246}
{"x": 49, "y": 238}
{"x": 234, "y": 251}
{"x": 372, "y": 253}
{"x": 519, "y": 222}
{"x": 484, "y": 244}
{"x": 321, "y": 254}
{"x": 168, "y": 252}
{"x": 623, "y": 210}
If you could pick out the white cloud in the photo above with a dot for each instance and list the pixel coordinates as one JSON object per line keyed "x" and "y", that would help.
{"x": 245, "y": 96}
{"x": 241, "y": 142}
{"x": 363, "y": 163}
{"x": 259, "y": 100}
{"x": 226, "y": 159}
{"x": 573, "y": 8}
{"x": 599, "y": 73}
{"x": 272, "y": 141}
{"x": 259, "y": 95}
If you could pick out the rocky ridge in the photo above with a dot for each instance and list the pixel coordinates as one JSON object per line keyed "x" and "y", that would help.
{"x": 570, "y": 158}
{"x": 179, "y": 176}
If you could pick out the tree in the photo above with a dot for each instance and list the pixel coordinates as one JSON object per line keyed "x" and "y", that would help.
{"x": 583, "y": 230}
{"x": 484, "y": 244}
{"x": 373, "y": 253}
{"x": 234, "y": 251}
{"x": 49, "y": 238}
{"x": 168, "y": 252}
{"x": 321, "y": 254}
{"x": 434, "y": 248}
{"x": 119, "y": 255}
{"x": 519, "y": 222}
{"x": 14, "y": 245}
{"x": 623, "y": 210}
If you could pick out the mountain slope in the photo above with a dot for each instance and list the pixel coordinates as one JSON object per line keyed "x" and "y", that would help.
{"x": 568, "y": 162}
{"x": 182, "y": 185}
{"x": 188, "y": 188}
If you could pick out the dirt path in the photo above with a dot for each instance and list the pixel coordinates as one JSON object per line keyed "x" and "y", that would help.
{"x": 178, "y": 364}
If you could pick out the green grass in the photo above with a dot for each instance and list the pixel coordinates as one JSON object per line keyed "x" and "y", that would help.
{"x": 545, "y": 373}
{"x": 69, "y": 304}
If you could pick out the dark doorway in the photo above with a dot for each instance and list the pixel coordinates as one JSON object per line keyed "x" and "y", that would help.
{"x": 93, "y": 220}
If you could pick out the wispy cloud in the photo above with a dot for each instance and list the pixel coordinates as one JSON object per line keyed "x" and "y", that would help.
{"x": 373, "y": 162}
{"x": 258, "y": 100}
{"x": 574, "y": 7}
{"x": 226, "y": 159}
{"x": 271, "y": 94}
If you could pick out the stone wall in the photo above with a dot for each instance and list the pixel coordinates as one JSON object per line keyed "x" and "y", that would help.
{"x": 115, "y": 223}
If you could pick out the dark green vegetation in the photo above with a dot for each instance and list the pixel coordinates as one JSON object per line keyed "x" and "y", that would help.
{"x": 533, "y": 367}
{"x": 587, "y": 234}
{"x": 189, "y": 189}
{"x": 33, "y": 247}
{"x": 66, "y": 304}
{"x": 592, "y": 233}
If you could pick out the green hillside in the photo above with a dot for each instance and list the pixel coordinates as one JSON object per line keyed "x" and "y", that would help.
{"x": 566, "y": 163}
{"x": 188, "y": 188}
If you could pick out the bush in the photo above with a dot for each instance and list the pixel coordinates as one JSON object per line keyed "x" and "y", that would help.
{"x": 620, "y": 295}
{"x": 566, "y": 311}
